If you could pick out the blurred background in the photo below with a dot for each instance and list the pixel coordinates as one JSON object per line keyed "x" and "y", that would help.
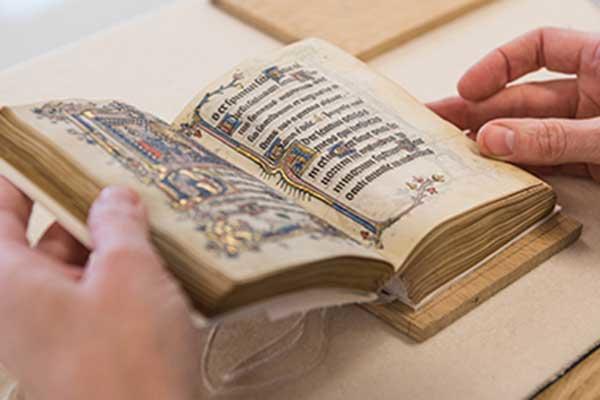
{"x": 32, "y": 27}
{"x": 29, "y": 28}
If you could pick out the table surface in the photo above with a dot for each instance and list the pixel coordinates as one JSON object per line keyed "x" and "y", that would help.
{"x": 45, "y": 25}
{"x": 506, "y": 348}
{"x": 582, "y": 382}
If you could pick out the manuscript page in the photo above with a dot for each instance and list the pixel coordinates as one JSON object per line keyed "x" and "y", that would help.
{"x": 346, "y": 144}
{"x": 230, "y": 220}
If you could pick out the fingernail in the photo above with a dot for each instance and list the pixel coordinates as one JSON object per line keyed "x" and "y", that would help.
{"x": 498, "y": 140}
{"x": 119, "y": 194}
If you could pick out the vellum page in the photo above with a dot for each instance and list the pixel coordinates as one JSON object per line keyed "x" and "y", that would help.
{"x": 347, "y": 144}
{"x": 230, "y": 220}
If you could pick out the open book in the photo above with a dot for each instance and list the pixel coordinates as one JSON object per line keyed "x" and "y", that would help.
{"x": 299, "y": 172}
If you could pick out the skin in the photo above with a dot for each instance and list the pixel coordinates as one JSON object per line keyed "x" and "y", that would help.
{"x": 553, "y": 126}
{"x": 109, "y": 325}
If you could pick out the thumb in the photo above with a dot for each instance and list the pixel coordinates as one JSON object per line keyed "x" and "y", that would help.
{"x": 120, "y": 232}
{"x": 541, "y": 141}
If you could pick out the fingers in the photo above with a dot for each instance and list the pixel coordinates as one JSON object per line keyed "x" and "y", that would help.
{"x": 454, "y": 110}
{"x": 560, "y": 50}
{"x": 34, "y": 294}
{"x": 62, "y": 246}
{"x": 26, "y": 275}
{"x": 536, "y": 100}
{"x": 15, "y": 210}
{"x": 120, "y": 232}
{"x": 539, "y": 142}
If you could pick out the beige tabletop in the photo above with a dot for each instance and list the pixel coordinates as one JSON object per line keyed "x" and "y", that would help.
{"x": 506, "y": 348}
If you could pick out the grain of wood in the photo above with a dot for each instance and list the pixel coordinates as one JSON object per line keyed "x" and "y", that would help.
{"x": 364, "y": 28}
{"x": 580, "y": 383}
{"x": 478, "y": 286}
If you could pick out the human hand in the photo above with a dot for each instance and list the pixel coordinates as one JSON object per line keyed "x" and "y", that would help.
{"x": 113, "y": 327}
{"x": 555, "y": 124}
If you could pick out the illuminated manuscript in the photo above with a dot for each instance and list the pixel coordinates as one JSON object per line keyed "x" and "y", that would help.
{"x": 302, "y": 171}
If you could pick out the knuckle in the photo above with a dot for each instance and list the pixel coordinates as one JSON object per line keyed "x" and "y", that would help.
{"x": 541, "y": 31}
{"x": 546, "y": 29}
{"x": 551, "y": 141}
{"x": 589, "y": 56}
{"x": 521, "y": 101}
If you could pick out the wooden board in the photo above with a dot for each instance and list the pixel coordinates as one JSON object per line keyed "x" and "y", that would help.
{"x": 364, "y": 28}
{"x": 581, "y": 382}
{"x": 478, "y": 286}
